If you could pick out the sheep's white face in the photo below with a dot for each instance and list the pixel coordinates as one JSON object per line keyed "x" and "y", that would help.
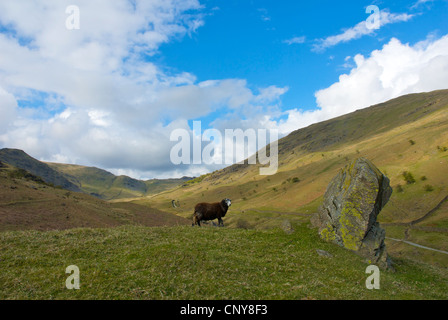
{"x": 228, "y": 202}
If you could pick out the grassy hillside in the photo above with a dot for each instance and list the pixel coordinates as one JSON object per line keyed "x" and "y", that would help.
{"x": 20, "y": 159}
{"x": 132, "y": 262}
{"x": 107, "y": 186}
{"x": 407, "y": 134}
{"x": 28, "y": 203}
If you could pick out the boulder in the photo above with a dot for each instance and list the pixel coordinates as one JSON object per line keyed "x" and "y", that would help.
{"x": 348, "y": 215}
{"x": 287, "y": 227}
{"x": 324, "y": 253}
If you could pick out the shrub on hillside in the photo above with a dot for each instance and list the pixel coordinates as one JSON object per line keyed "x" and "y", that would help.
{"x": 21, "y": 173}
{"x": 408, "y": 177}
{"x": 293, "y": 180}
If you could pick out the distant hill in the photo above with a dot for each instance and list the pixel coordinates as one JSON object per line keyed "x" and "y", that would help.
{"x": 29, "y": 203}
{"x": 20, "y": 159}
{"x": 107, "y": 186}
{"x": 94, "y": 181}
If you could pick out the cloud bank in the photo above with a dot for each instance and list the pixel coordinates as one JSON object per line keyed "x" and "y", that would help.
{"x": 93, "y": 96}
{"x": 396, "y": 69}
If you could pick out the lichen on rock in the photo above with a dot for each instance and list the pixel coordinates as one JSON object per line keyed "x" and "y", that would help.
{"x": 348, "y": 214}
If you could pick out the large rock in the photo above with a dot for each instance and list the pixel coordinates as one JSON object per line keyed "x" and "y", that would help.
{"x": 348, "y": 215}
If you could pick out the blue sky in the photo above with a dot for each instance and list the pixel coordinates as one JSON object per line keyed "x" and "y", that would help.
{"x": 248, "y": 40}
{"x": 110, "y": 93}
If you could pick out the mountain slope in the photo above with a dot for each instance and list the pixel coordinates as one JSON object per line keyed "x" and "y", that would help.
{"x": 407, "y": 134}
{"x": 365, "y": 123}
{"x": 20, "y": 159}
{"x": 397, "y": 135}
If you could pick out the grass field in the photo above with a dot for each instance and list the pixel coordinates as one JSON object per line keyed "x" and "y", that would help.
{"x": 131, "y": 262}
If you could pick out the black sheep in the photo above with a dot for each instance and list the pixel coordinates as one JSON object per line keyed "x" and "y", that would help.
{"x": 210, "y": 211}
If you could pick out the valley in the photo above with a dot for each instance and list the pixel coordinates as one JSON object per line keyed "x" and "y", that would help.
{"x": 47, "y": 205}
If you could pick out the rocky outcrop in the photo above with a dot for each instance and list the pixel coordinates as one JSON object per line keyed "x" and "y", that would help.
{"x": 348, "y": 215}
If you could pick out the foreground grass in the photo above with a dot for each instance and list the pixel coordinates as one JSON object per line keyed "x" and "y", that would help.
{"x": 132, "y": 262}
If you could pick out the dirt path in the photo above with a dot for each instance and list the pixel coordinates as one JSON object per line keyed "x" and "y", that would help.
{"x": 417, "y": 245}
{"x": 278, "y": 212}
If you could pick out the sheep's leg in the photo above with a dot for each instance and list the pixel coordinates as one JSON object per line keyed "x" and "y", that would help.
{"x": 220, "y": 222}
{"x": 195, "y": 220}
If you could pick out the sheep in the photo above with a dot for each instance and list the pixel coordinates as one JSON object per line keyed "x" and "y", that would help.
{"x": 210, "y": 211}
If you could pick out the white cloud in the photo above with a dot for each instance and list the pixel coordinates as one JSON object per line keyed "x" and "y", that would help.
{"x": 271, "y": 93}
{"x": 420, "y": 2}
{"x": 100, "y": 66}
{"x": 295, "y": 40}
{"x": 397, "y": 69}
{"x": 8, "y": 108}
{"x": 359, "y": 30}
{"x": 115, "y": 99}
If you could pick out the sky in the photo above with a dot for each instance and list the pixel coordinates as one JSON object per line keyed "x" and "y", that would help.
{"x": 106, "y": 83}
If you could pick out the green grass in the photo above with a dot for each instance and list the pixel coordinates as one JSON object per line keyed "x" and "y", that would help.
{"x": 132, "y": 262}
